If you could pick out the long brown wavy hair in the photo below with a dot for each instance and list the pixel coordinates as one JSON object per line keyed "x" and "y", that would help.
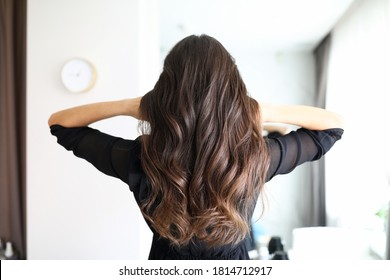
{"x": 202, "y": 149}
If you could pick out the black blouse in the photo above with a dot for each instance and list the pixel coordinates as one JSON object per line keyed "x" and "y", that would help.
{"x": 120, "y": 158}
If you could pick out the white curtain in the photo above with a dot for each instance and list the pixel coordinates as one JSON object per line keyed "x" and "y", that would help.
{"x": 359, "y": 88}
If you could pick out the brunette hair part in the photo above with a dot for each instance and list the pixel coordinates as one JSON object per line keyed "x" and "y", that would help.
{"x": 202, "y": 148}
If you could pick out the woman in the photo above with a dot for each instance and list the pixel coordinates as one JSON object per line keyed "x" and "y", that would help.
{"x": 201, "y": 162}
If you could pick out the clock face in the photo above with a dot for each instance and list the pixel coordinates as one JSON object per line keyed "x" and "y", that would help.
{"x": 78, "y": 75}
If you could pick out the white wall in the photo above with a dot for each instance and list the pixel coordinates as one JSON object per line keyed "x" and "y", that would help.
{"x": 359, "y": 87}
{"x": 74, "y": 211}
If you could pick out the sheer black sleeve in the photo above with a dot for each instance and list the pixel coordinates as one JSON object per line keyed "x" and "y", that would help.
{"x": 290, "y": 150}
{"x": 111, "y": 155}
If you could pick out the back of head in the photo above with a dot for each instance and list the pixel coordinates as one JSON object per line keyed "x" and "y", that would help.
{"x": 203, "y": 151}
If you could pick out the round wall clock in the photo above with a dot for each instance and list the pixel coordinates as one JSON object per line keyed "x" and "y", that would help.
{"x": 78, "y": 75}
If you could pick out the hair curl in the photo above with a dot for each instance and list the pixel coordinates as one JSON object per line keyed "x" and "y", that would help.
{"x": 202, "y": 148}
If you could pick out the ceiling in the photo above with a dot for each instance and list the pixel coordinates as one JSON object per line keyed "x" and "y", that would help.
{"x": 252, "y": 24}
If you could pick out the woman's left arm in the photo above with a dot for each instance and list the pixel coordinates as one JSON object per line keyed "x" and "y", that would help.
{"x": 86, "y": 114}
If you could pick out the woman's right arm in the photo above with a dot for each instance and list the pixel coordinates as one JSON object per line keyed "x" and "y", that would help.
{"x": 319, "y": 131}
{"x": 308, "y": 117}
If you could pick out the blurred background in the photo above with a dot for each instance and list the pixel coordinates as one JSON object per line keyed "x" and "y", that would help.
{"x": 327, "y": 53}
